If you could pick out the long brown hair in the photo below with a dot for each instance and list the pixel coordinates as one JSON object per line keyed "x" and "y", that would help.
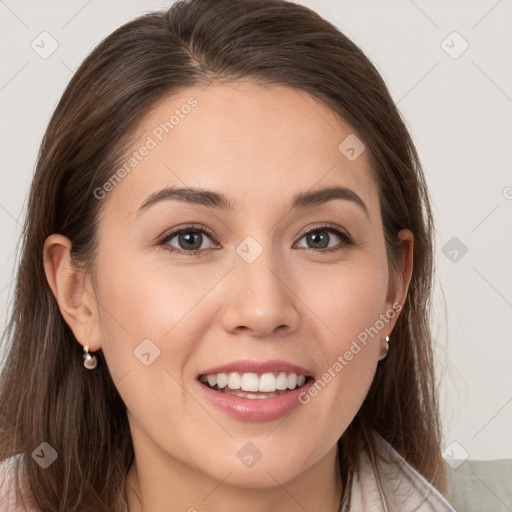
{"x": 46, "y": 396}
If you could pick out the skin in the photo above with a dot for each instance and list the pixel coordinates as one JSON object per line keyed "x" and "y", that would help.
{"x": 259, "y": 145}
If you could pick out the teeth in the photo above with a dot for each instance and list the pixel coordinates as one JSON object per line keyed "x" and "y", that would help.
{"x": 282, "y": 381}
{"x": 222, "y": 380}
{"x": 252, "y": 383}
{"x": 234, "y": 381}
{"x": 249, "y": 382}
{"x": 292, "y": 381}
{"x": 267, "y": 383}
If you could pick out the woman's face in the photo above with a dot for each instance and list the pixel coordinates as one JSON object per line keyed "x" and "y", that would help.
{"x": 258, "y": 299}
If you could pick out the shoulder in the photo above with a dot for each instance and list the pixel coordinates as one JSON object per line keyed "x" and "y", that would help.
{"x": 8, "y": 502}
{"x": 395, "y": 479}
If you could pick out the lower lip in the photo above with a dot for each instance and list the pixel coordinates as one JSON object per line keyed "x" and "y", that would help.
{"x": 247, "y": 409}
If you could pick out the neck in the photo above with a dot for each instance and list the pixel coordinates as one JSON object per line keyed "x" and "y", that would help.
{"x": 149, "y": 488}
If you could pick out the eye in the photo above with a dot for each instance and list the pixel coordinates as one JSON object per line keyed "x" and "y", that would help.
{"x": 189, "y": 239}
{"x": 319, "y": 238}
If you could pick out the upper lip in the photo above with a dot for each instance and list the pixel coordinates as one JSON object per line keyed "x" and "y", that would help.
{"x": 259, "y": 367}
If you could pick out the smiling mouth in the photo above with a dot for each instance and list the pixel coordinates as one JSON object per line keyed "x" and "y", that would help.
{"x": 253, "y": 385}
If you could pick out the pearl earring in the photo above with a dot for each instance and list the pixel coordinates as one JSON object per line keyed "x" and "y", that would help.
{"x": 90, "y": 360}
{"x": 383, "y": 356}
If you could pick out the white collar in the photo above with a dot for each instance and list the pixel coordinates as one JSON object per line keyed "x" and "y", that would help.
{"x": 407, "y": 489}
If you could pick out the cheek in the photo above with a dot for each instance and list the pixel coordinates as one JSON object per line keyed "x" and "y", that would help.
{"x": 346, "y": 298}
{"x": 150, "y": 301}
{"x": 347, "y": 312}
{"x": 146, "y": 339}
{"x": 149, "y": 320}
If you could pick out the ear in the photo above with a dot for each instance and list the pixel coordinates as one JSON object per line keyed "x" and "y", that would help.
{"x": 73, "y": 291}
{"x": 399, "y": 286}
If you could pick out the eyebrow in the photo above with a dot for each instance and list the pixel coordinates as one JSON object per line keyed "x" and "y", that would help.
{"x": 220, "y": 201}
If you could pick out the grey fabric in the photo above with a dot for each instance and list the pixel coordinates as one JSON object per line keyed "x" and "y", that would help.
{"x": 480, "y": 485}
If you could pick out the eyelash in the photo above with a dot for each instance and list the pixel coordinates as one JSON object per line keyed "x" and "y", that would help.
{"x": 347, "y": 240}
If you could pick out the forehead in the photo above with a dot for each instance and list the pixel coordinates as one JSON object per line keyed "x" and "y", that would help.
{"x": 258, "y": 144}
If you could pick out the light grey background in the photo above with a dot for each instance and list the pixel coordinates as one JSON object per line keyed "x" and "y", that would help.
{"x": 458, "y": 111}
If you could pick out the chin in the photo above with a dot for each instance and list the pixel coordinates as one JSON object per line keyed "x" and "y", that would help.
{"x": 277, "y": 469}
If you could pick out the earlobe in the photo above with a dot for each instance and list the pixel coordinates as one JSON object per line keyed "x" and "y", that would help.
{"x": 68, "y": 286}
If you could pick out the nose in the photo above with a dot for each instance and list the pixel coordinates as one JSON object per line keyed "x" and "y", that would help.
{"x": 260, "y": 298}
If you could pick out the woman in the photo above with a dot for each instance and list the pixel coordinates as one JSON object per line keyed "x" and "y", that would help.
{"x": 227, "y": 231}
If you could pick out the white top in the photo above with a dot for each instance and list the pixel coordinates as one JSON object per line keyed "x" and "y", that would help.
{"x": 409, "y": 490}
